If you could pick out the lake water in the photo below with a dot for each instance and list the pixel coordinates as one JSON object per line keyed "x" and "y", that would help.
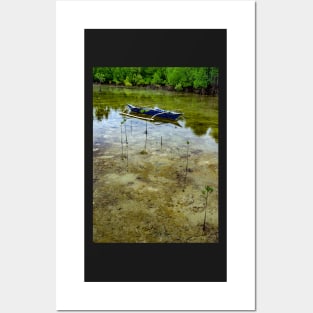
{"x": 149, "y": 178}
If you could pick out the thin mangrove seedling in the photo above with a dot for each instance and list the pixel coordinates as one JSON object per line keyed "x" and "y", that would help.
{"x": 126, "y": 145}
{"x": 187, "y": 156}
{"x": 146, "y": 132}
{"x": 126, "y": 135}
{"x": 121, "y": 132}
{"x": 122, "y": 137}
{"x": 127, "y": 156}
{"x": 205, "y": 192}
{"x": 161, "y": 143}
{"x": 207, "y": 189}
{"x": 204, "y": 222}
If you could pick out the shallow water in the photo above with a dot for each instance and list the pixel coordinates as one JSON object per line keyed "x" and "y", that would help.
{"x": 149, "y": 176}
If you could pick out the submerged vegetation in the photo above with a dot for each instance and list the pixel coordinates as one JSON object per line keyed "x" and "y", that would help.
{"x": 203, "y": 80}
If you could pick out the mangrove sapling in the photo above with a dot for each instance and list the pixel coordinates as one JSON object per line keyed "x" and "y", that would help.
{"x": 207, "y": 189}
{"x": 146, "y": 132}
{"x": 161, "y": 143}
{"x": 145, "y": 149}
{"x": 204, "y": 222}
{"x": 125, "y": 133}
{"x": 124, "y": 120}
{"x": 187, "y": 155}
{"x": 122, "y": 138}
{"x": 126, "y": 141}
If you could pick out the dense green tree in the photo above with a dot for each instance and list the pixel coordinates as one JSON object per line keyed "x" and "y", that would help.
{"x": 119, "y": 75}
{"x": 179, "y": 78}
{"x": 147, "y": 74}
{"x": 102, "y": 74}
{"x": 201, "y": 79}
{"x": 213, "y": 75}
{"x": 159, "y": 76}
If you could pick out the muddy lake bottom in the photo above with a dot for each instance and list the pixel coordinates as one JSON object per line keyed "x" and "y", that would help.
{"x": 147, "y": 197}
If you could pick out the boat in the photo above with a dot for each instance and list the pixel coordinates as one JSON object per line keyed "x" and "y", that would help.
{"x": 155, "y": 113}
{"x": 156, "y": 121}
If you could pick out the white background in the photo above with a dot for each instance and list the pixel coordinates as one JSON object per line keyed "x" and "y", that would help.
{"x": 284, "y": 154}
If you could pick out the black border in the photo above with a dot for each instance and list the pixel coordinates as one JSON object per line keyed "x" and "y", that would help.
{"x": 155, "y": 262}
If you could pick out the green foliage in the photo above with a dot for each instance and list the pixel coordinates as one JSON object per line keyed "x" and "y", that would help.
{"x": 207, "y": 189}
{"x": 213, "y": 75}
{"x": 147, "y": 74}
{"x": 179, "y": 78}
{"x": 118, "y": 75}
{"x": 157, "y": 79}
{"x": 138, "y": 80}
{"x": 102, "y": 74}
{"x": 201, "y": 79}
{"x": 127, "y": 83}
{"x": 179, "y": 87}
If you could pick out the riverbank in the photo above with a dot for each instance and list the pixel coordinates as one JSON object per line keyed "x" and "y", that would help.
{"x": 209, "y": 91}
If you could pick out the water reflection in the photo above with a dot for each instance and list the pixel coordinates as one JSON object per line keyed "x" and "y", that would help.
{"x": 200, "y": 113}
{"x": 102, "y": 112}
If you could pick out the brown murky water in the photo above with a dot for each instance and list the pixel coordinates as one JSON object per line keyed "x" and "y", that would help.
{"x": 145, "y": 188}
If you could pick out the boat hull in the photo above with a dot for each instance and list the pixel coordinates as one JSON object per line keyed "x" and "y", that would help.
{"x": 158, "y": 113}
